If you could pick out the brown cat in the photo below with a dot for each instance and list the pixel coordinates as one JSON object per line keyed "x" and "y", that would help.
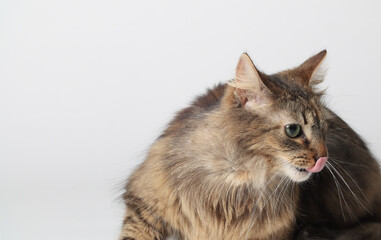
{"x": 258, "y": 158}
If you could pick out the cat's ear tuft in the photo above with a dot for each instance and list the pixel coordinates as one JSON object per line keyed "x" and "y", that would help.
{"x": 249, "y": 88}
{"x": 310, "y": 69}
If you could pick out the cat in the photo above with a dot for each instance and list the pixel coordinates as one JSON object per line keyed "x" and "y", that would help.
{"x": 259, "y": 157}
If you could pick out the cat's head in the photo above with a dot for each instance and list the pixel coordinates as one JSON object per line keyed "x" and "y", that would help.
{"x": 282, "y": 116}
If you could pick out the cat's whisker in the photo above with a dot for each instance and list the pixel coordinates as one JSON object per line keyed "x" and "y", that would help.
{"x": 350, "y": 212}
{"x": 264, "y": 205}
{"x": 343, "y": 162}
{"x": 350, "y": 189}
{"x": 293, "y": 191}
{"x": 346, "y": 172}
{"x": 345, "y": 182}
{"x": 282, "y": 193}
{"x": 262, "y": 191}
{"x": 338, "y": 191}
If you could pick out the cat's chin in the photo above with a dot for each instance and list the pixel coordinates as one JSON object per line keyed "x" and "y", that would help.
{"x": 297, "y": 174}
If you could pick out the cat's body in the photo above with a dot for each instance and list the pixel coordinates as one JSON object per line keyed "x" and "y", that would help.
{"x": 225, "y": 168}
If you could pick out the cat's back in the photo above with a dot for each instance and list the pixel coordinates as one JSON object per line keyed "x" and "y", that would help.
{"x": 186, "y": 118}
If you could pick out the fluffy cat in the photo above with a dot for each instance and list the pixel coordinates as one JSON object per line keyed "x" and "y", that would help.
{"x": 257, "y": 158}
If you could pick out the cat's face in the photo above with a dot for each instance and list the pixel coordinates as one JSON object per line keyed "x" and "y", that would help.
{"x": 297, "y": 145}
{"x": 289, "y": 118}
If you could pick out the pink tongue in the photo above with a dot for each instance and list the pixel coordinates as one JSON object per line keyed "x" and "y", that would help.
{"x": 319, "y": 165}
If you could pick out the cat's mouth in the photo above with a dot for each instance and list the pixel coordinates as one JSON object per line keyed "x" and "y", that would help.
{"x": 298, "y": 174}
{"x": 300, "y": 169}
{"x": 319, "y": 165}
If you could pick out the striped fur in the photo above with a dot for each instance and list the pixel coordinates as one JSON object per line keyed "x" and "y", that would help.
{"x": 225, "y": 169}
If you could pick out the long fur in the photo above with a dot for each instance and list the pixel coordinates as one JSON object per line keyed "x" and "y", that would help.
{"x": 225, "y": 169}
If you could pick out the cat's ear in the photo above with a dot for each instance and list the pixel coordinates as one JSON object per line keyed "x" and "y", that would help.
{"x": 309, "y": 70}
{"x": 249, "y": 89}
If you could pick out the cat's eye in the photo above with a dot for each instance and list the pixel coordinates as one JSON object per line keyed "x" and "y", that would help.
{"x": 293, "y": 130}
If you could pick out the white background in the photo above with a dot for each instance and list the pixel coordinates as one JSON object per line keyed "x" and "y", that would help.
{"x": 86, "y": 87}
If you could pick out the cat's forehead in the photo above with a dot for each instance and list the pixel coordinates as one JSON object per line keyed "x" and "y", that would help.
{"x": 301, "y": 110}
{"x": 290, "y": 86}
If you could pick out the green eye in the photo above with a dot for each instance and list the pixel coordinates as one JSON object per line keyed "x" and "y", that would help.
{"x": 293, "y": 130}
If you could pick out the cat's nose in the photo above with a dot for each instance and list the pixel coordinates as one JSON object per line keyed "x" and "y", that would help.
{"x": 320, "y": 150}
{"x": 320, "y": 157}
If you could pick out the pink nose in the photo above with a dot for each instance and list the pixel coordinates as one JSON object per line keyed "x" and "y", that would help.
{"x": 319, "y": 165}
